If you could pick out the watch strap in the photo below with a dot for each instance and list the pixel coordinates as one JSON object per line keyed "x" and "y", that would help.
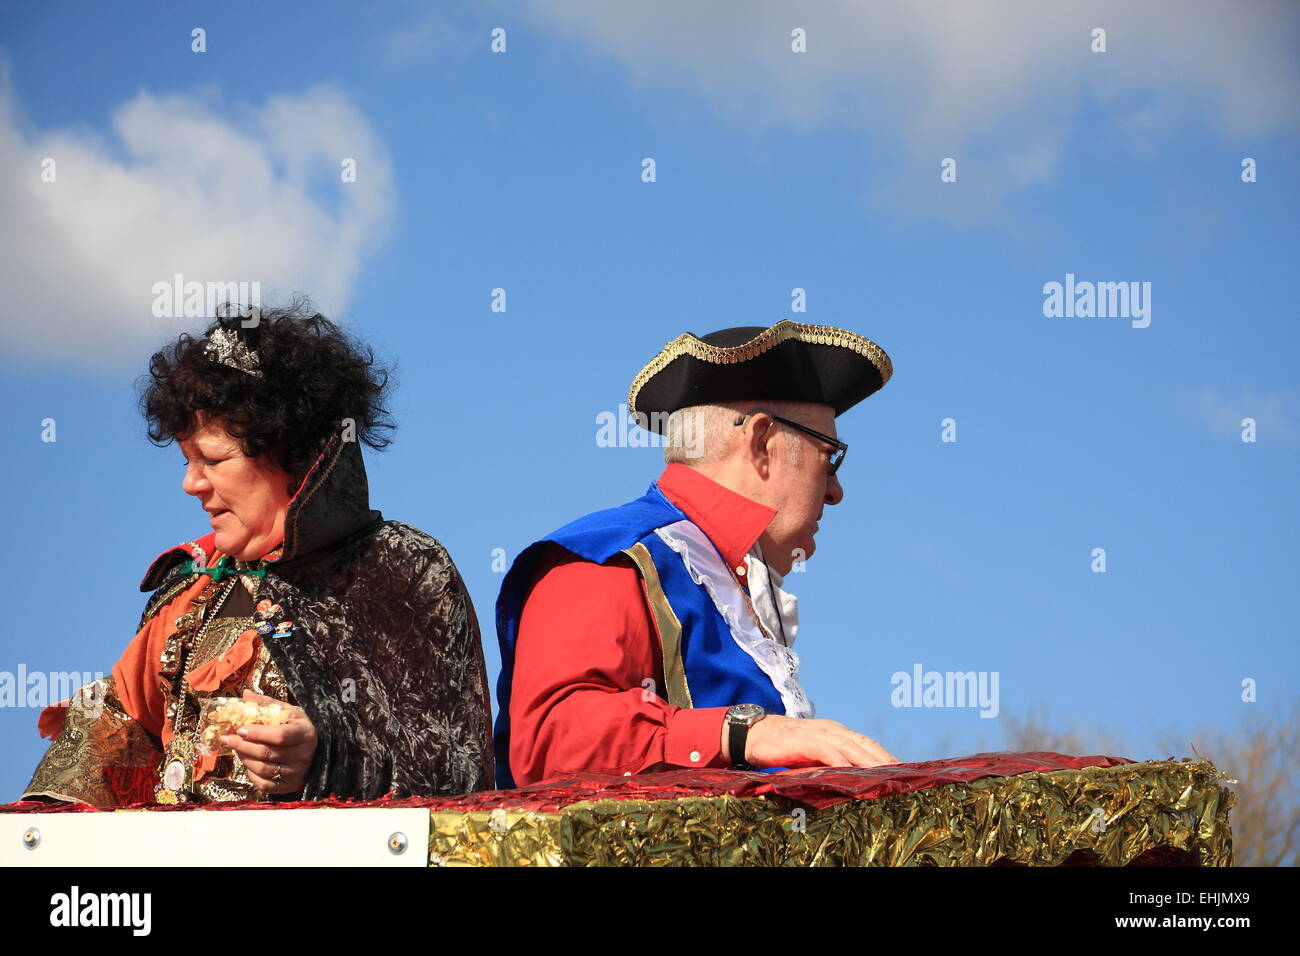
{"x": 736, "y": 737}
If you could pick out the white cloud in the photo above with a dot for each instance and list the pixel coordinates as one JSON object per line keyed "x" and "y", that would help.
{"x": 1000, "y": 85}
{"x": 431, "y": 36}
{"x": 1276, "y": 413}
{"x": 180, "y": 184}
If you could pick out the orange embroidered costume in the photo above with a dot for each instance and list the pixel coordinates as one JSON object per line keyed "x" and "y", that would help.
{"x": 364, "y": 623}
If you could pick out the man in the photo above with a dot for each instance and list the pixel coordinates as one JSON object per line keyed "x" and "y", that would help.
{"x": 656, "y": 635}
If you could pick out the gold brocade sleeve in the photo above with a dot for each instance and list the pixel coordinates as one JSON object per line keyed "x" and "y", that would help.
{"x": 97, "y": 748}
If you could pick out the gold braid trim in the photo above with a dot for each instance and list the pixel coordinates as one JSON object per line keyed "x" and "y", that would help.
{"x": 768, "y": 339}
{"x": 162, "y": 596}
{"x": 677, "y": 692}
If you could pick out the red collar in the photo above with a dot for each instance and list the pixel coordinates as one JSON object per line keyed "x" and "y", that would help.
{"x": 732, "y": 521}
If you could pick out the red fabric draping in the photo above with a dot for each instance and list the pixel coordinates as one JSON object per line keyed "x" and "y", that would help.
{"x": 815, "y": 787}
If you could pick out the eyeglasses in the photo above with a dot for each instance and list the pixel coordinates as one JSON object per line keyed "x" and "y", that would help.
{"x": 840, "y": 448}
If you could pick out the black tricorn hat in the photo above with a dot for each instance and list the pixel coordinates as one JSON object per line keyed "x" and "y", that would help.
{"x": 787, "y": 362}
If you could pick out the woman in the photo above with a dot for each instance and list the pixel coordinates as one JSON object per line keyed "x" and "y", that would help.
{"x": 300, "y": 594}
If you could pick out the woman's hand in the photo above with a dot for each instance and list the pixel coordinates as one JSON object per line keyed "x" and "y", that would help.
{"x": 277, "y": 758}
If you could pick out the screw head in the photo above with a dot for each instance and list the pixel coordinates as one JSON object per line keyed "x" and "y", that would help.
{"x": 32, "y": 838}
{"x": 397, "y": 843}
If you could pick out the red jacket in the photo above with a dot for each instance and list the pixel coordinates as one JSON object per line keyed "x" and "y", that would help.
{"x": 588, "y": 661}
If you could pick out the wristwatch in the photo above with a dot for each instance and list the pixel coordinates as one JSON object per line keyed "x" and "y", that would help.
{"x": 740, "y": 718}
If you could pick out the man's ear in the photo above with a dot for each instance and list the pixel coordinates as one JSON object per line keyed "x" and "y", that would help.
{"x": 758, "y": 441}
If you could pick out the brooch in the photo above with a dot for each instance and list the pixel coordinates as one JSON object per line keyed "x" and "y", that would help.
{"x": 266, "y": 609}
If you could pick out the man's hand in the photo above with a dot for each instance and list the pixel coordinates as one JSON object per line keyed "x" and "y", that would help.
{"x": 777, "y": 741}
{"x": 276, "y": 758}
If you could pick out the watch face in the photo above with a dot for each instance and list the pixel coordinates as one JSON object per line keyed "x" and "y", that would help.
{"x": 745, "y": 712}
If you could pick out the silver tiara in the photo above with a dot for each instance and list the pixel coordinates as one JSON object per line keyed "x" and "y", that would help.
{"x": 225, "y": 347}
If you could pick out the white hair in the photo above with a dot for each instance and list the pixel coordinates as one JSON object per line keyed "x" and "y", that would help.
{"x": 704, "y": 434}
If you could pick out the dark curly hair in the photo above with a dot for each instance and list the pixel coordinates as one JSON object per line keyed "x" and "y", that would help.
{"x": 313, "y": 377}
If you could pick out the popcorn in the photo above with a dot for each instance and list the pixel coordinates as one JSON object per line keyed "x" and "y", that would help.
{"x": 219, "y": 716}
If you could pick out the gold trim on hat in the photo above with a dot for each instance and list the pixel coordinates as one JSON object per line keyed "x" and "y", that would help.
{"x": 783, "y": 331}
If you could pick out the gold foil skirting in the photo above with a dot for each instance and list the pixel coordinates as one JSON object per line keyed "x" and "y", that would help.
{"x": 1106, "y": 816}
{"x": 497, "y": 838}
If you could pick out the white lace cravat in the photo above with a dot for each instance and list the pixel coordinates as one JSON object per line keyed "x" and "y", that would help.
{"x": 777, "y": 609}
{"x": 707, "y": 568}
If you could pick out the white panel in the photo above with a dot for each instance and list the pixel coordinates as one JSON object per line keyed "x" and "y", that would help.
{"x": 325, "y": 836}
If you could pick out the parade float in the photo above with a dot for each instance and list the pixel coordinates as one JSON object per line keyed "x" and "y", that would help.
{"x": 988, "y": 809}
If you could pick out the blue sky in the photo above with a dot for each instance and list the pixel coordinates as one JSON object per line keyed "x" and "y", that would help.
{"x": 775, "y": 170}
